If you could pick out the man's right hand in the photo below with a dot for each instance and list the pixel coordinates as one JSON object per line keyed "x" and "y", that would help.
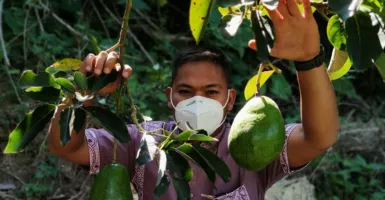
{"x": 104, "y": 63}
{"x": 76, "y": 150}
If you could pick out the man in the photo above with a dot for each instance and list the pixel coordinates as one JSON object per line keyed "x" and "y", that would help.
{"x": 200, "y": 78}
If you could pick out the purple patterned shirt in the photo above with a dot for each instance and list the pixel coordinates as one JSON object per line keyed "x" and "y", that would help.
{"x": 244, "y": 184}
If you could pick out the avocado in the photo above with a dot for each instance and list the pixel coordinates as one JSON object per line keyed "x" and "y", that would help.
{"x": 113, "y": 182}
{"x": 257, "y": 134}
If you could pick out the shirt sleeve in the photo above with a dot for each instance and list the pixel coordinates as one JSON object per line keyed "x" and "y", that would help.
{"x": 279, "y": 168}
{"x": 101, "y": 146}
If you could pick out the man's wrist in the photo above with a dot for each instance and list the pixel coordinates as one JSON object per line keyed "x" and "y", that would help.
{"x": 315, "y": 62}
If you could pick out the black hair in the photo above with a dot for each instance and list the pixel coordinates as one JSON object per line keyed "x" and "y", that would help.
{"x": 200, "y": 53}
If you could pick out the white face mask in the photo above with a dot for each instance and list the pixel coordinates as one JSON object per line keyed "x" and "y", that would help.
{"x": 199, "y": 113}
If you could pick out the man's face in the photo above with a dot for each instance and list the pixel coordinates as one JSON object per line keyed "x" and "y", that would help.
{"x": 200, "y": 78}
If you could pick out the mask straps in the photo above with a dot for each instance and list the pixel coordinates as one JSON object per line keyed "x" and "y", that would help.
{"x": 171, "y": 99}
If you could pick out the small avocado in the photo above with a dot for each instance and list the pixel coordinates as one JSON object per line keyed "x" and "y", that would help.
{"x": 113, "y": 182}
{"x": 257, "y": 134}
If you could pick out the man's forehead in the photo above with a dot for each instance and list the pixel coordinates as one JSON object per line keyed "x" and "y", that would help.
{"x": 208, "y": 85}
{"x": 200, "y": 73}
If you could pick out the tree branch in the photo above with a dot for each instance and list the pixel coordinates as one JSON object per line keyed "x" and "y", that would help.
{"x": 61, "y": 21}
{"x": 6, "y": 59}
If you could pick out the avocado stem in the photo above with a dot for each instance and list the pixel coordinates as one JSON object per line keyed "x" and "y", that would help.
{"x": 261, "y": 68}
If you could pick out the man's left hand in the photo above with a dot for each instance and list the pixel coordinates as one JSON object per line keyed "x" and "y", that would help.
{"x": 296, "y": 34}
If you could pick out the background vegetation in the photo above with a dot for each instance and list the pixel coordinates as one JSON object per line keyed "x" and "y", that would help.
{"x": 38, "y": 33}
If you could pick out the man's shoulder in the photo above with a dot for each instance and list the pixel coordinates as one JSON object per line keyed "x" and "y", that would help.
{"x": 153, "y": 125}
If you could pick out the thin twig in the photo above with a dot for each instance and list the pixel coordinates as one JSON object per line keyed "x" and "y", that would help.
{"x": 39, "y": 20}
{"x": 133, "y": 36}
{"x": 61, "y": 21}
{"x": 25, "y": 39}
{"x": 101, "y": 21}
{"x": 147, "y": 19}
{"x": 141, "y": 47}
{"x": 5, "y": 54}
{"x": 10, "y": 174}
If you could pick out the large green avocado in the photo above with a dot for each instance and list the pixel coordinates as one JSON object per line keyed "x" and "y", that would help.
{"x": 112, "y": 183}
{"x": 257, "y": 134}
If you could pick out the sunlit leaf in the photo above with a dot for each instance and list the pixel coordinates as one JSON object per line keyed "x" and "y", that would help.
{"x": 187, "y": 151}
{"x": 229, "y": 25}
{"x": 270, "y": 4}
{"x": 44, "y": 94}
{"x": 339, "y": 65}
{"x": 81, "y": 81}
{"x": 112, "y": 123}
{"x": 83, "y": 98}
{"x": 217, "y": 164}
{"x": 251, "y": 87}
{"x": 200, "y": 11}
{"x": 32, "y": 124}
{"x": 162, "y": 162}
{"x": 80, "y": 119}
{"x": 64, "y": 65}
{"x": 202, "y": 138}
{"x": 263, "y": 34}
{"x": 29, "y": 79}
{"x": 366, "y": 39}
{"x": 144, "y": 156}
{"x": 66, "y": 116}
{"x": 180, "y": 172}
{"x": 336, "y": 33}
{"x": 345, "y": 8}
{"x": 103, "y": 80}
{"x": 380, "y": 65}
{"x": 66, "y": 85}
{"x": 229, "y": 3}
{"x": 162, "y": 187}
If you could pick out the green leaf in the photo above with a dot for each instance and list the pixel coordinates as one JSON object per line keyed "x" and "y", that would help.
{"x": 44, "y": 94}
{"x": 229, "y": 3}
{"x": 365, "y": 40}
{"x": 339, "y": 65}
{"x": 103, "y": 80}
{"x": 217, "y": 164}
{"x": 380, "y": 65}
{"x": 30, "y": 79}
{"x": 187, "y": 151}
{"x": 66, "y": 116}
{"x": 162, "y": 187}
{"x": 110, "y": 122}
{"x": 32, "y": 124}
{"x": 281, "y": 87}
{"x": 336, "y": 33}
{"x": 80, "y": 119}
{"x": 345, "y": 87}
{"x": 263, "y": 35}
{"x": 229, "y": 25}
{"x": 270, "y": 4}
{"x": 184, "y": 136}
{"x": 64, "y": 65}
{"x": 202, "y": 138}
{"x": 81, "y": 81}
{"x": 345, "y": 8}
{"x": 179, "y": 169}
{"x": 162, "y": 163}
{"x": 66, "y": 85}
{"x": 200, "y": 11}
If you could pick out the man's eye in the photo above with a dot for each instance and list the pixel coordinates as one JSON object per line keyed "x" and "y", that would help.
{"x": 184, "y": 92}
{"x": 211, "y": 92}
